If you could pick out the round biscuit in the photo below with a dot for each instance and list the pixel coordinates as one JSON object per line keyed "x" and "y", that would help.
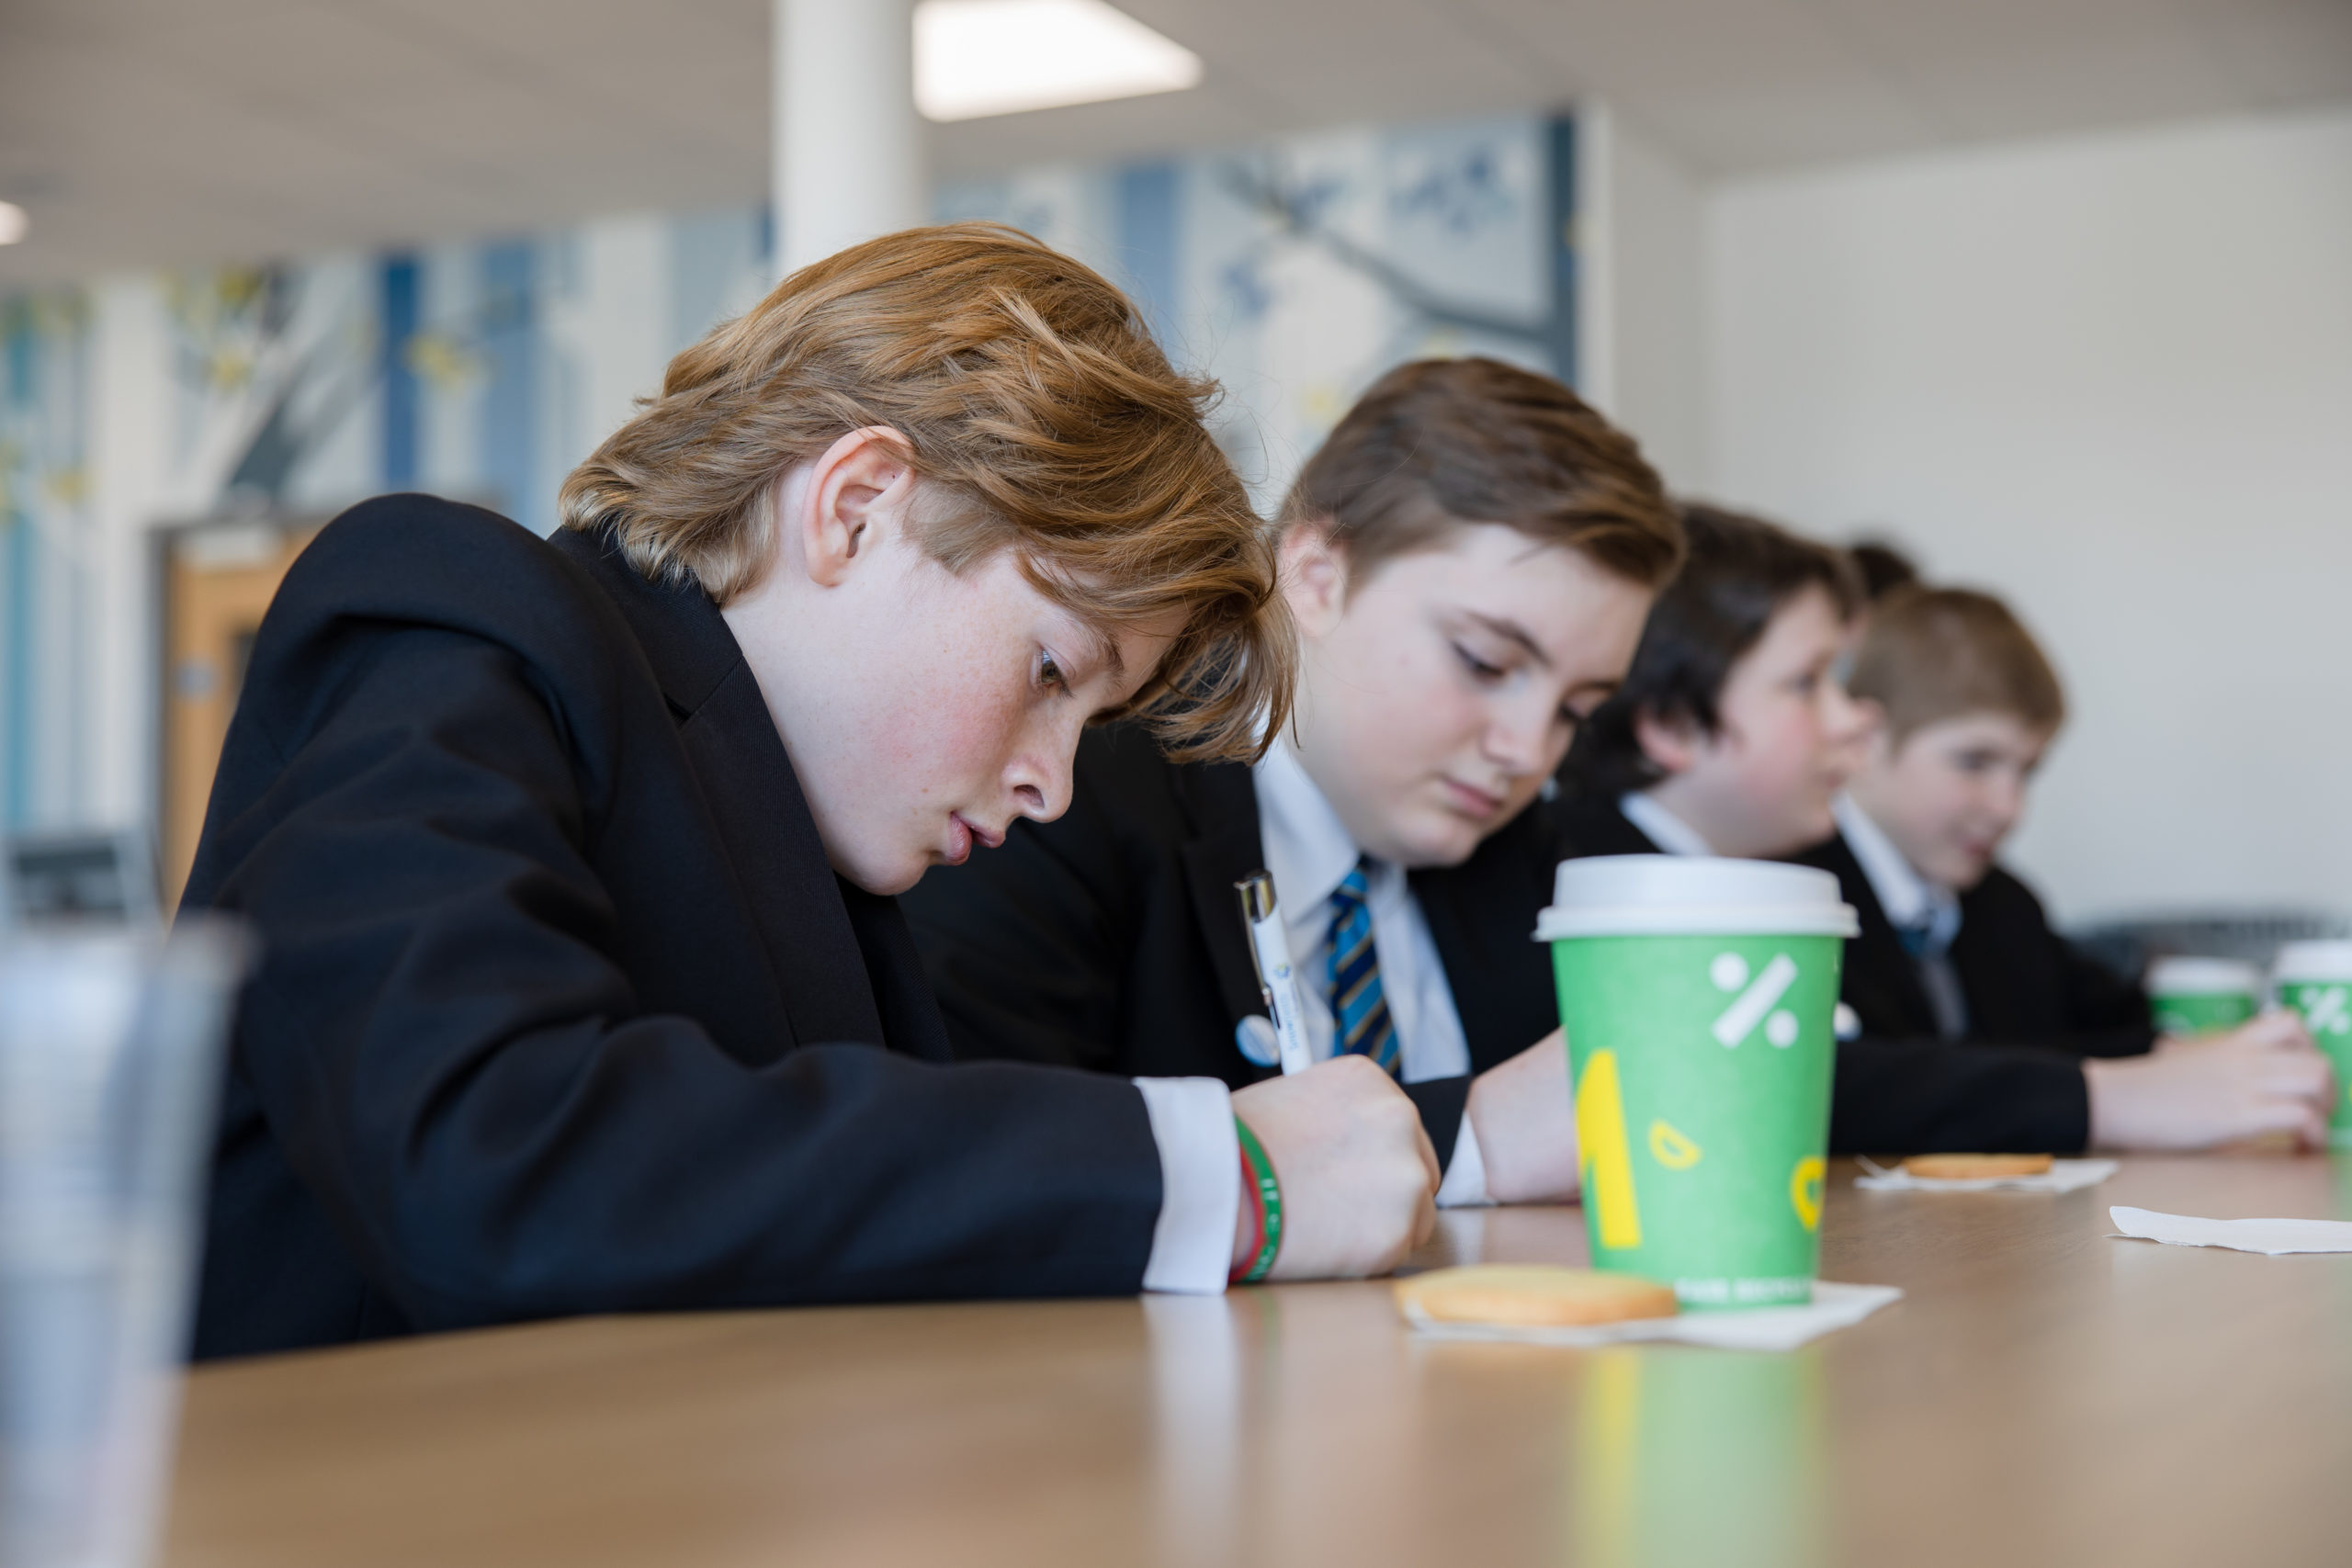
{"x": 1537, "y": 1295}
{"x": 1974, "y": 1168}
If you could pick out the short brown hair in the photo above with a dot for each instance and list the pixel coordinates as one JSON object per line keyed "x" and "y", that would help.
{"x": 1029, "y": 390}
{"x": 1439, "y": 443}
{"x": 1741, "y": 570}
{"x": 1933, "y": 654}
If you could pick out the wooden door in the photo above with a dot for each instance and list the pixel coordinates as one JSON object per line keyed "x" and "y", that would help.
{"x": 217, "y": 581}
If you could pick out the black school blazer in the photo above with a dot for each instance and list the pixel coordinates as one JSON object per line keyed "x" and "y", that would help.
{"x": 562, "y": 1009}
{"x": 2025, "y": 985}
{"x": 1898, "y": 1089}
{"x": 1112, "y": 939}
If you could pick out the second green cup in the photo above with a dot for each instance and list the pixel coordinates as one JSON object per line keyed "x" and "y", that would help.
{"x": 2202, "y": 996}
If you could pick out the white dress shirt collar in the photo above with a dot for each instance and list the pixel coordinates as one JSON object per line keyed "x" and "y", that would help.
{"x": 1911, "y": 901}
{"x": 1663, "y": 828}
{"x": 1308, "y": 849}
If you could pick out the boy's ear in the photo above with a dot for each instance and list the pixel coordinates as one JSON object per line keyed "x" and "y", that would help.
{"x": 1670, "y": 744}
{"x": 854, "y": 494}
{"x": 1314, "y": 568}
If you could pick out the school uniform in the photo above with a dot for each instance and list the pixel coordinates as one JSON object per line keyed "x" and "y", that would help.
{"x": 1897, "y": 1089}
{"x": 562, "y": 1009}
{"x": 1112, "y": 939}
{"x": 1981, "y": 965}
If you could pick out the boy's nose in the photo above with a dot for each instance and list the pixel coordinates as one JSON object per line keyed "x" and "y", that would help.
{"x": 1843, "y": 717}
{"x": 1040, "y": 790}
{"x": 1515, "y": 741}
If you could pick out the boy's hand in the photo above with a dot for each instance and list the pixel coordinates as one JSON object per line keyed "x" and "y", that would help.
{"x": 1526, "y": 1124}
{"x": 2262, "y": 1076}
{"x": 1358, "y": 1175}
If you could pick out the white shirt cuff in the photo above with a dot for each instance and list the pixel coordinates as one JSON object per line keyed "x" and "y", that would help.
{"x": 1464, "y": 1186}
{"x": 1200, "y": 1184}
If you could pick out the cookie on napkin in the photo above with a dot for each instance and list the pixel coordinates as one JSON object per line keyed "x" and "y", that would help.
{"x": 1533, "y": 1295}
{"x": 1974, "y": 1168}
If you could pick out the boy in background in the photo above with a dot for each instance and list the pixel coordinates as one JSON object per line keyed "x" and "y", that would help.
{"x": 1732, "y": 736}
{"x": 1468, "y": 559}
{"x": 1961, "y": 705}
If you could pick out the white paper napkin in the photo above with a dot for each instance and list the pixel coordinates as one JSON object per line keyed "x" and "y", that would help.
{"x": 1759, "y": 1329}
{"x": 2270, "y": 1237}
{"x": 2063, "y": 1176}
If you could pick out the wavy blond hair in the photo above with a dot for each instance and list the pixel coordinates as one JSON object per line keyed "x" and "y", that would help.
{"x": 1027, "y": 391}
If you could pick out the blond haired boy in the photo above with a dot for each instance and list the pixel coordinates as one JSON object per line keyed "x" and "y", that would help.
{"x": 585, "y": 988}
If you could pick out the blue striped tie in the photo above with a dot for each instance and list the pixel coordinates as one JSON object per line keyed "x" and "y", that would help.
{"x": 1359, "y": 1007}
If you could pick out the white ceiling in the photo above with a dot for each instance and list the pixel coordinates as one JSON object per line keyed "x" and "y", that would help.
{"x": 140, "y": 132}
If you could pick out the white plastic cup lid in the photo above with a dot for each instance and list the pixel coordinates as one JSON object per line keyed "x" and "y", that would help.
{"x": 2314, "y": 961}
{"x": 2203, "y": 977}
{"x": 1692, "y": 895}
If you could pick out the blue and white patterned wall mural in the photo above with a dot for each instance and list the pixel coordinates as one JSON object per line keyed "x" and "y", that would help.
{"x": 1294, "y": 272}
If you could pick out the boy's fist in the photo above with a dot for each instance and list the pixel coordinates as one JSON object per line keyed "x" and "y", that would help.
{"x": 1358, "y": 1179}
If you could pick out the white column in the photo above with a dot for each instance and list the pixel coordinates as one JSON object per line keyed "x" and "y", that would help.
{"x": 131, "y": 490}
{"x": 848, "y": 160}
{"x": 1596, "y": 220}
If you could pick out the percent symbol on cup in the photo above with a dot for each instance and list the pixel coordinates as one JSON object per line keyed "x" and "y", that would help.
{"x": 1729, "y": 971}
{"x": 2328, "y": 1014}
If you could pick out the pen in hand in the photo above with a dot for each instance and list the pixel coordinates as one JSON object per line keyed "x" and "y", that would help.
{"x": 1270, "y": 952}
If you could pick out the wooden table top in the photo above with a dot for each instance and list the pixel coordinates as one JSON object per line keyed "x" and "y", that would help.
{"x": 2043, "y": 1394}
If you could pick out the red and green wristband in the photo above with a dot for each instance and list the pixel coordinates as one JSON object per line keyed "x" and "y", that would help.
{"x": 1266, "y": 1207}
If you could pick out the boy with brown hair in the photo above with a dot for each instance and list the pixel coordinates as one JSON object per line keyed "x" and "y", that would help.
{"x": 1468, "y": 560}
{"x": 583, "y": 988}
{"x": 1961, "y": 704}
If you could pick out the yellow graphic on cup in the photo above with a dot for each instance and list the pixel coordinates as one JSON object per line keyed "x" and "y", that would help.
{"x": 1608, "y": 1160}
{"x": 1670, "y": 1147}
{"x": 1805, "y": 1190}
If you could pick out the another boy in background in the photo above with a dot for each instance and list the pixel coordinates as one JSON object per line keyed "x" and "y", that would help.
{"x": 1468, "y": 559}
{"x": 1961, "y": 704}
{"x": 1730, "y": 736}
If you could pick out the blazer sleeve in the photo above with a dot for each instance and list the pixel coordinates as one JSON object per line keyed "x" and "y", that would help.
{"x": 1929, "y": 1097}
{"x": 2110, "y": 1011}
{"x": 458, "y": 1069}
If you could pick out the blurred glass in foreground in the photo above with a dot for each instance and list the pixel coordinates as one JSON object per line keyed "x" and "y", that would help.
{"x": 111, "y": 1046}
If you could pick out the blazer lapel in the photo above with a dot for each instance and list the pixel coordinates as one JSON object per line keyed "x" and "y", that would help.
{"x": 1221, "y": 801}
{"x": 1886, "y": 976}
{"x": 796, "y": 903}
{"x": 1481, "y": 916}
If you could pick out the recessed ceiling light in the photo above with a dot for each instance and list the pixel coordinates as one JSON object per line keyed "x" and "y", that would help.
{"x": 984, "y": 57}
{"x": 13, "y": 222}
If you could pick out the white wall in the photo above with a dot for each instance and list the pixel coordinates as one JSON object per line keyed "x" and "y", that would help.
{"x": 2112, "y": 380}
{"x": 1641, "y": 295}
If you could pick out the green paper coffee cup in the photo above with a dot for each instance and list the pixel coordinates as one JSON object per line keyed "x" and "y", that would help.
{"x": 1698, "y": 996}
{"x": 2316, "y": 979}
{"x": 2202, "y": 996}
